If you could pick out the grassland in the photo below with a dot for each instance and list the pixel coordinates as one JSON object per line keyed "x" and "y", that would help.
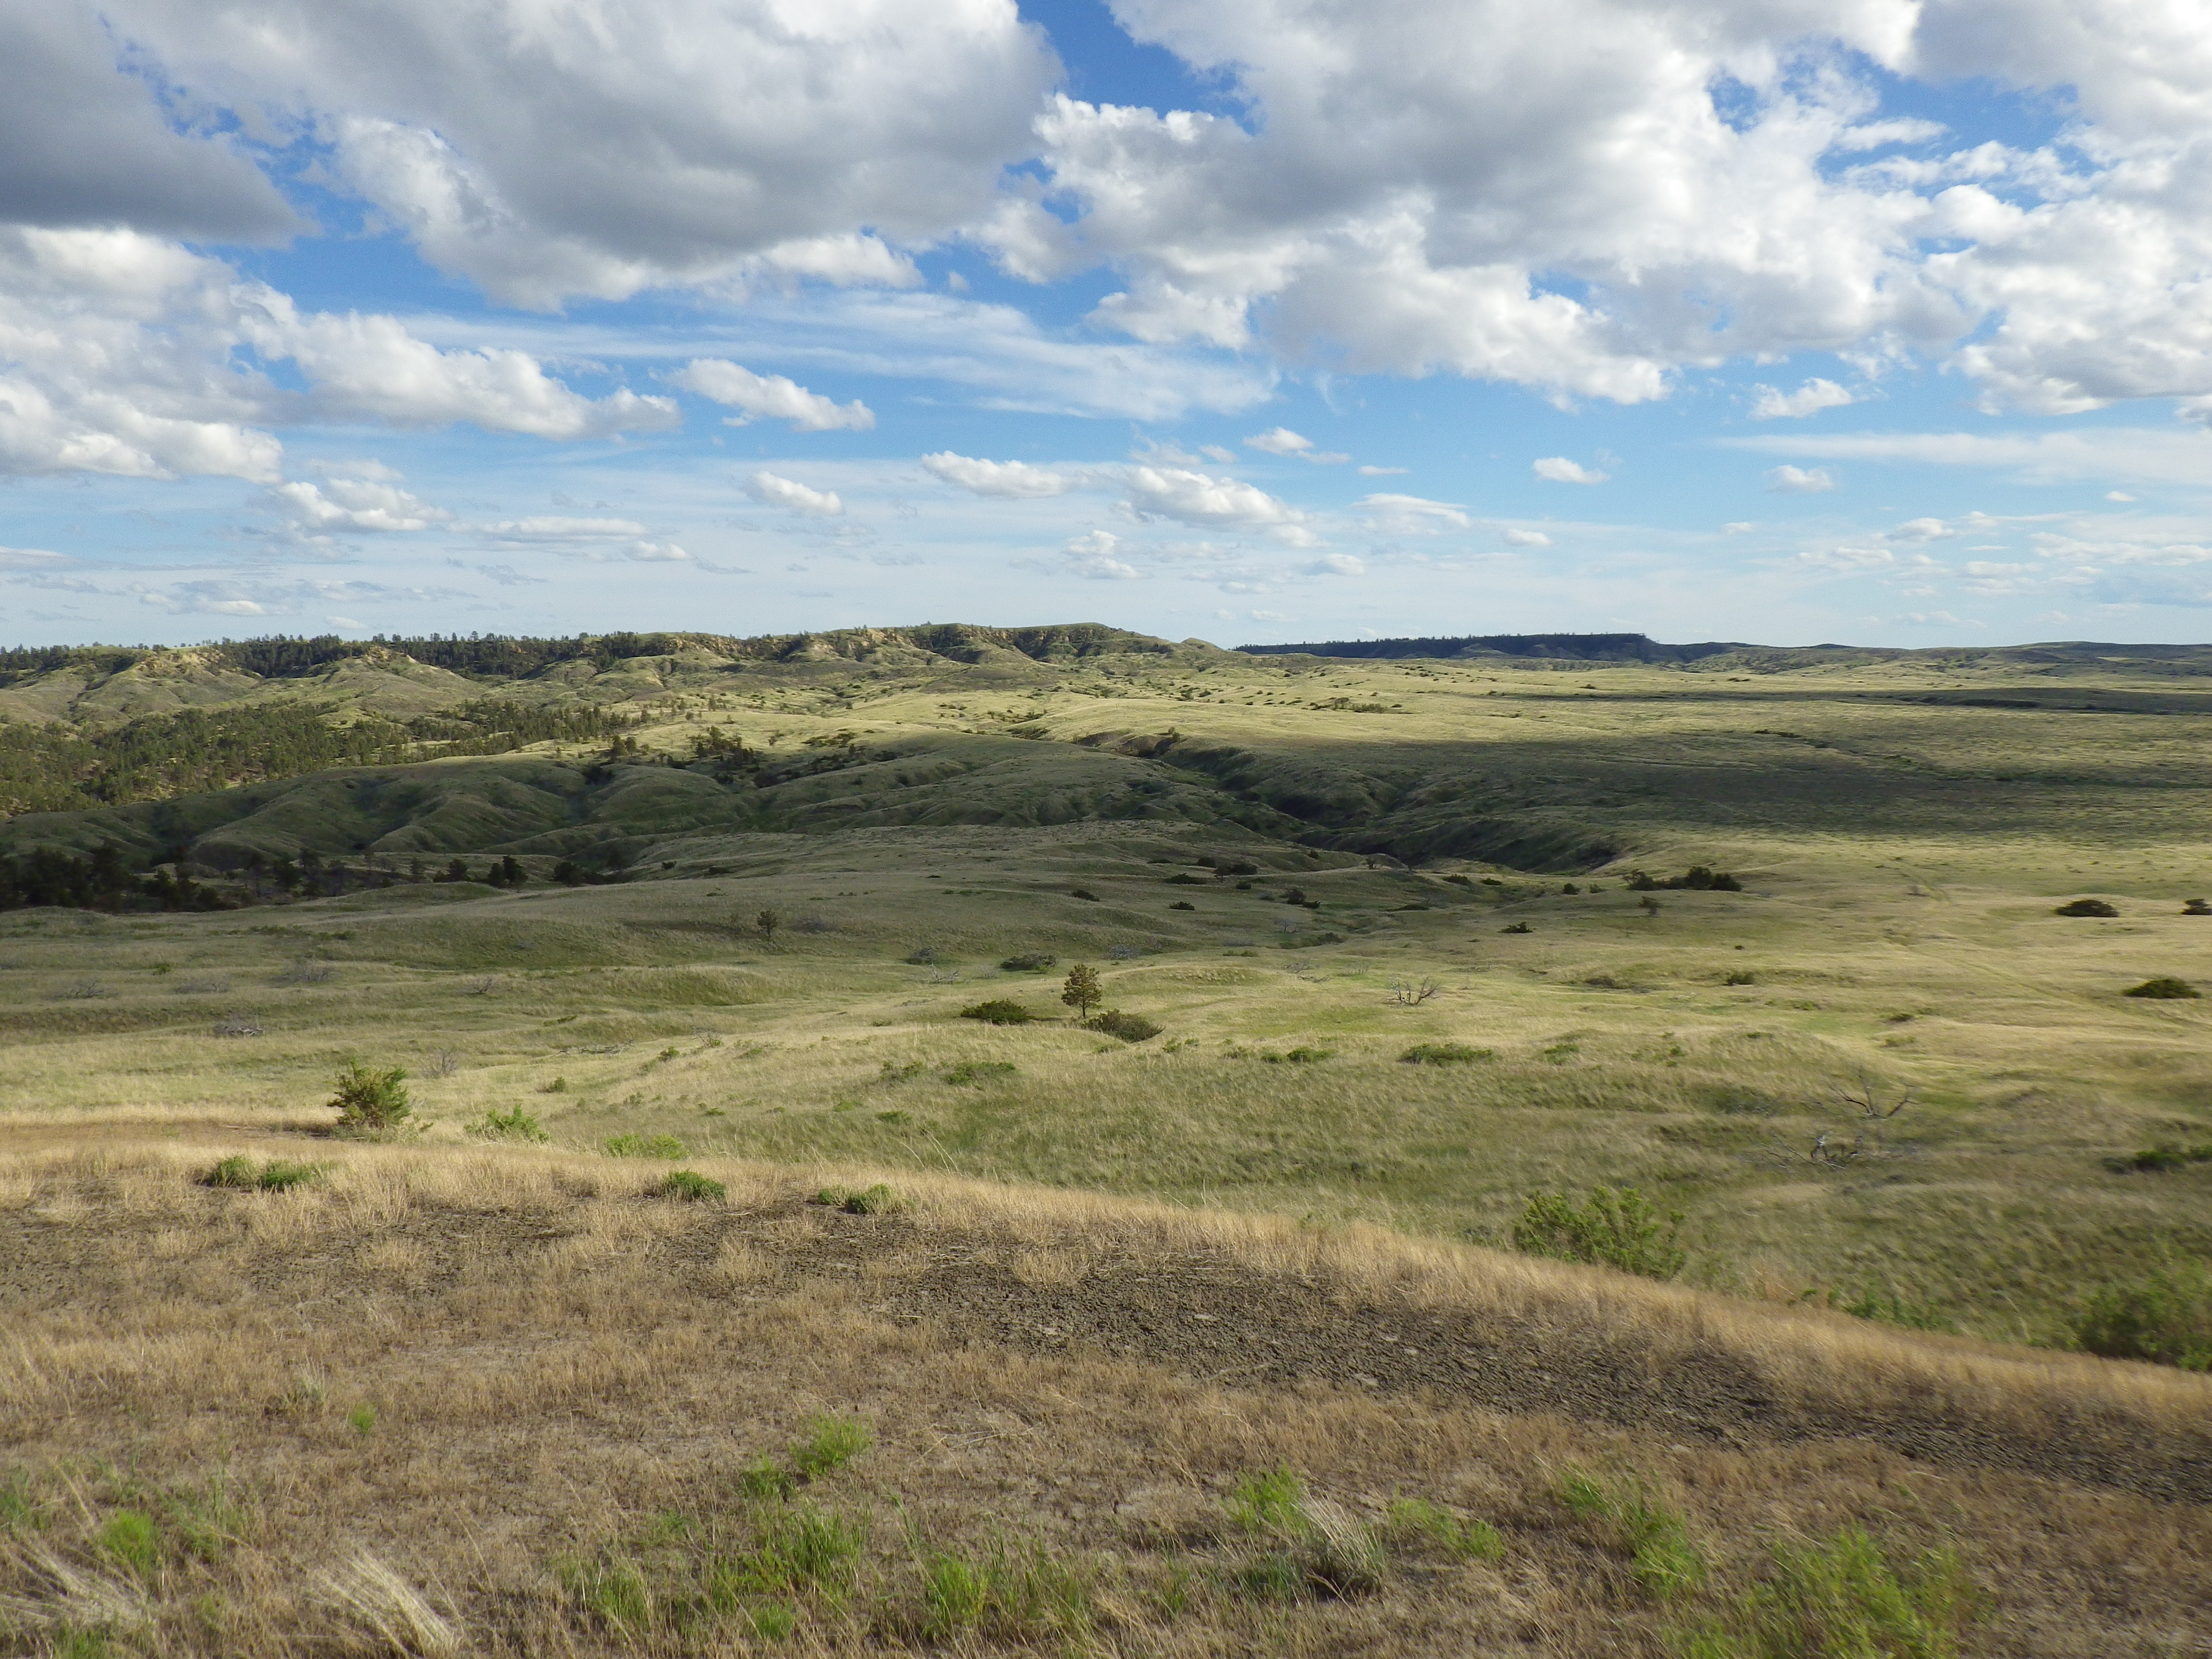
{"x": 1902, "y": 828}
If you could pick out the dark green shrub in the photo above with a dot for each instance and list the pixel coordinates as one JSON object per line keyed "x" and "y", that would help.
{"x": 371, "y": 1101}
{"x": 1444, "y": 1054}
{"x": 1517, "y": 927}
{"x": 1619, "y": 1227}
{"x": 1182, "y": 904}
{"x": 274, "y": 1177}
{"x": 2087, "y": 906}
{"x": 999, "y": 1011}
{"x": 1301, "y": 1055}
{"x": 2164, "y": 990}
{"x": 2197, "y": 907}
{"x": 636, "y": 1145}
{"x": 515, "y": 1124}
{"x": 1184, "y": 879}
{"x": 878, "y": 1200}
{"x": 692, "y": 1186}
{"x": 1030, "y": 962}
{"x": 2160, "y": 1159}
{"x": 1130, "y": 1028}
{"x": 1083, "y": 893}
{"x": 2165, "y": 1318}
{"x": 1741, "y": 976}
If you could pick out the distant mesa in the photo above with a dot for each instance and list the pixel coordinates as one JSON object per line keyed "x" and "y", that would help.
{"x": 1573, "y": 648}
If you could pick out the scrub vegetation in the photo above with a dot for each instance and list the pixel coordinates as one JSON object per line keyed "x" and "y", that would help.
{"x": 1616, "y": 1156}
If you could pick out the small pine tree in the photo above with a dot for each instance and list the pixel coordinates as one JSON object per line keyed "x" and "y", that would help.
{"x": 767, "y": 922}
{"x": 1082, "y": 992}
{"x": 370, "y": 1101}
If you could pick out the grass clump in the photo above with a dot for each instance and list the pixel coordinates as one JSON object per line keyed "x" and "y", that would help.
{"x": 2160, "y": 1159}
{"x": 1130, "y": 1028}
{"x": 998, "y": 1011}
{"x": 1619, "y": 1227}
{"x": 1841, "y": 1599}
{"x": 1414, "y": 1522}
{"x": 1010, "y": 1591}
{"x": 1886, "y": 1308}
{"x": 2165, "y": 1317}
{"x": 831, "y": 1443}
{"x": 878, "y": 1200}
{"x": 2086, "y": 906}
{"x": 637, "y": 1145}
{"x": 513, "y": 1125}
{"x": 2166, "y": 988}
{"x": 1661, "y": 1556}
{"x": 276, "y": 1176}
{"x": 692, "y": 1188}
{"x": 979, "y": 1071}
{"x": 1303, "y": 1055}
{"x": 1445, "y": 1053}
{"x": 371, "y": 1101}
{"x": 1306, "y": 1546}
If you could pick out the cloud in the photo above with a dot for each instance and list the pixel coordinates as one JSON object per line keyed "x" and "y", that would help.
{"x": 1016, "y": 480}
{"x": 1336, "y": 564}
{"x": 2153, "y": 455}
{"x": 770, "y": 397}
{"x": 1922, "y": 530}
{"x": 84, "y": 144}
{"x": 551, "y": 529}
{"x": 1799, "y": 481}
{"x": 770, "y": 490}
{"x": 2117, "y": 496}
{"x": 1091, "y": 557}
{"x": 1557, "y": 469}
{"x": 553, "y": 150}
{"x": 32, "y": 558}
{"x": 1851, "y": 560}
{"x": 1411, "y": 515}
{"x": 1809, "y": 398}
{"x": 1515, "y": 537}
{"x": 1282, "y": 440}
{"x": 1384, "y": 471}
{"x": 1738, "y": 527}
{"x": 1204, "y": 502}
{"x": 357, "y": 504}
{"x": 658, "y": 553}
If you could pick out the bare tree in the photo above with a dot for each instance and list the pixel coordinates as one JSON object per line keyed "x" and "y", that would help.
{"x": 1409, "y": 994}
{"x": 1865, "y": 1100}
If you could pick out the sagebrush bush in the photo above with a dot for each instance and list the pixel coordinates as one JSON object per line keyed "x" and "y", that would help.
{"x": 2086, "y": 906}
{"x": 1030, "y": 962}
{"x": 1130, "y": 1028}
{"x": 371, "y": 1101}
{"x": 2165, "y": 1317}
{"x": 1444, "y": 1054}
{"x": 999, "y": 1011}
{"x": 692, "y": 1186}
{"x": 2163, "y": 989}
{"x": 1619, "y": 1227}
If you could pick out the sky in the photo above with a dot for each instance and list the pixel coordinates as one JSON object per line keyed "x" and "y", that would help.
{"x": 1885, "y": 322}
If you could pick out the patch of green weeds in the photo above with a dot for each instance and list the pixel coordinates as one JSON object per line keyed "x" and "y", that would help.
{"x": 636, "y": 1145}
{"x": 1301, "y": 1055}
{"x": 1662, "y": 1557}
{"x": 1008, "y": 1590}
{"x": 2165, "y": 1317}
{"x": 831, "y": 1443}
{"x": 2160, "y": 1159}
{"x": 130, "y": 1539}
{"x": 276, "y": 1176}
{"x": 21, "y": 1508}
{"x": 979, "y": 1071}
{"x": 878, "y": 1200}
{"x": 1886, "y": 1308}
{"x": 515, "y": 1124}
{"x": 1445, "y": 1053}
{"x": 1414, "y": 1522}
{"x": 1304, "y": 1547}
{"x": 362, "y": 1419}
{"x": 1619, "y": 1227}
{"x": 893, "y": 1072}
{"x": 692, "y": 1186}
{"x": 1841, "y": 1599}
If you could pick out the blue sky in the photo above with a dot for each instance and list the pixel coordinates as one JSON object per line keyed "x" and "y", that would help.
{"x": 1253, "y": 320}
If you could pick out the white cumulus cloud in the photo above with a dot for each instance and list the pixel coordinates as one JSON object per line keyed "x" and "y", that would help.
{"x": 1557, "y": 469}
{"x": 1799, "y": 480}
{"x": 1809, "y": 398}
{"x": 1204, "y": 502}
{"x": 1017, "y": 480}
{"x": 1091, "y": 556}
{"x": 362, "y": 504}
{"x": 1411, "y": 515}
{"x": 1282, "y": 440}
{"x": 1516, "y": 537}
{"x": 771, "y": 490}
{"x": 770, "y": 397}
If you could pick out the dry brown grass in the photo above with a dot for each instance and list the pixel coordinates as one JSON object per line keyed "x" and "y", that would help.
{"x": 427, "y": 1384}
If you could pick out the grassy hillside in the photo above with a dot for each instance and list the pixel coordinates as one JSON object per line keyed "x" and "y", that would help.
{"x": 1400, "y": 925}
